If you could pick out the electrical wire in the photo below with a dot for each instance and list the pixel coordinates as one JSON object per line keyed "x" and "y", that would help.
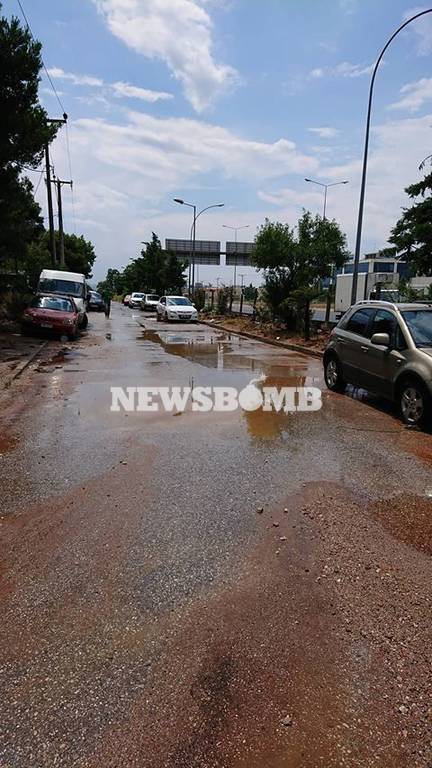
{"x": 64, "y": 113}
{"x": 71, "y": 177}
{"x": 43, "y": 63}
{"x": 38, "y": 184}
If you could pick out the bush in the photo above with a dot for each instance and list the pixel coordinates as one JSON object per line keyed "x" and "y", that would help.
{"x": 12, "y": 305}
{"x": 199, "y": 299}
{"x": 222, "y": 300}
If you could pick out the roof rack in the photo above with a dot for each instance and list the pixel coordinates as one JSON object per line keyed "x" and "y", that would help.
{"x": 378, "y": 301}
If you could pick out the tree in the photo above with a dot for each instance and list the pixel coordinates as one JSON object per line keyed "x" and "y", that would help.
{"x": 294, "y": 261}
{"x": 23, "y": 133}
{"x": 154, "y": 271}
{"x": 20, "y": 219}
{"x": 112, "y": 283}
{"x": 79, "y": 252}
{"x": 23, "y": 126}
{"x": 173, "y": 274}
{"x": 413, "y": 232}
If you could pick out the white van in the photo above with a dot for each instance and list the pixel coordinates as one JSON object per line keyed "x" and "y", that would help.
{"x": 66, "y": 284}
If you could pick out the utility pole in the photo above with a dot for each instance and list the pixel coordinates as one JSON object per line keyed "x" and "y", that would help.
{"x": 59, "y": 121}
{"x": 58, "y": 184}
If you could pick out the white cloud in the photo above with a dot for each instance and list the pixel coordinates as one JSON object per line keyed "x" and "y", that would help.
{"x": 119, "y": 89}
{"x": 421, "y": 28}
{"x": 59, "y": 74}
{"x": 179, "y": 32}
{"x": 287, "y": 197}
{"x": 159, "y": 155}
{"x": 326, "y": 132}
{"x": 122, "y": 90}
{"x": 397, "y": 147}
{"x": 414, "y": 95}
{"x": 124, "y": 172}
{"x": 344, "y": 69}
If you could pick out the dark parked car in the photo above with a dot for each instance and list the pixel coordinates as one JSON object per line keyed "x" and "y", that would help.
{"x": 387, "y": 349}
{"x": 53, "y": 314}
{"x": 95, "y": 302}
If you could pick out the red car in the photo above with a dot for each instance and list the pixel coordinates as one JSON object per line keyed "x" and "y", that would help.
{"x": 56, "y": 314}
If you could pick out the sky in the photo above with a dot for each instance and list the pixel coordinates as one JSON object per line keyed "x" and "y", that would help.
{"x": 234, "y": 102}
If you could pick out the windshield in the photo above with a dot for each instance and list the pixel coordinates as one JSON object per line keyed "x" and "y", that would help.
{"x": 419, "y": 322}
{"x": 150, "y": 297}
{"x": 180, "y": 300}
{"x": 51, "y": 302}
{"x": 137, "y": 295}
{"x": 95, "y": 295}
{"x": 61, "y": 286}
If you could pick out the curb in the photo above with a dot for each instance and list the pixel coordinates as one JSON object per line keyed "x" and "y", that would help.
{"x": 274, "y": 343}
{"x": 18, "y": 371}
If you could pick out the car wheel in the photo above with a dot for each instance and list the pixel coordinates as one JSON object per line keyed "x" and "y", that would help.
{"x": 414, "y": 403}
{"x": 84, "y": 323}
{"x": 72, "y": 336}
{"x": 166, "y": 317}
{"x": 158, "y": 317}
{"x": 333, "y": 375}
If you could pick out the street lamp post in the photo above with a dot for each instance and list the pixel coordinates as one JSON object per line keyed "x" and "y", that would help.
{"x": 193, "y": 235}
{"x": 333, "y": 275}
{"x": 366, "y": 152}
{"x": 326, "y": 187}
{"x": 235, "y": 229}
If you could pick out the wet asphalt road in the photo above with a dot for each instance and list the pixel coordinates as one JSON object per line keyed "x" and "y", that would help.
{"x": 153, "y": 615}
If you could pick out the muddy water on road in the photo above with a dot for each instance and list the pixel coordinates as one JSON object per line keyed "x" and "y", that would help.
{"x": 152, "y": 617}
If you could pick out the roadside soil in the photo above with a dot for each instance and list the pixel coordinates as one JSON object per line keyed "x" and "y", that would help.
{"x": 269, "y": 331}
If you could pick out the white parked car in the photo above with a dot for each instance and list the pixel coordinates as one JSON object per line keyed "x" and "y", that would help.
{"x": 176, "y": 308}
{"x": 149, "y": 302}
{"x": 135, "y": 300}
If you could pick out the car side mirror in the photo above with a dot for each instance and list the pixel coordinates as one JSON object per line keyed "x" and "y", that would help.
{"x": 381, "y": 339}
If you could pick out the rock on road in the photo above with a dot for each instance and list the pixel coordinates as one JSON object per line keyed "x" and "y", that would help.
{"x": 208, "y": 590}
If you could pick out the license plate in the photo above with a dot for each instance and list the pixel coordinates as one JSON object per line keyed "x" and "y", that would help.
{"x": 46, "y": 325}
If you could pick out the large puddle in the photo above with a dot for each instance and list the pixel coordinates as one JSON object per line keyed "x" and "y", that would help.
{"x": 223, "y": 359}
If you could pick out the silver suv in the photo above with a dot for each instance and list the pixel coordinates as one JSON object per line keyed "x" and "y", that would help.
{"x": 387, "y": 349}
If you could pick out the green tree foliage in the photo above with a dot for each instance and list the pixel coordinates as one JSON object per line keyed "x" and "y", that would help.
{"x": 154, "y": 271}
{"x": 79, "y": 256}
{"x": 113, "y": 283}
{"x": 294, "y": 260}
{"x": 23, "y": 132}
{"x": 173, "y": 277}
{"x": 20, "y": 220}
{"x": 79, "y": 252}
{"x": 413, "y": 232}
{"x": 23, "y": 125}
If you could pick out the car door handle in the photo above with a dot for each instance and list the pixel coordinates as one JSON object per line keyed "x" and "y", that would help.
{"x": 364, "y": 348}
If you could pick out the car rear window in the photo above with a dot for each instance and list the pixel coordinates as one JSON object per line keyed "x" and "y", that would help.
{"x": 359, "y": 321}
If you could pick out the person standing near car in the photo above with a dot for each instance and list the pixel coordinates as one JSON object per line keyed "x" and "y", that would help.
{"x": 106, "y": 295}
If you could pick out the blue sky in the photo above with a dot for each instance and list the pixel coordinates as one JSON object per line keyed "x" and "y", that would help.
{"x": 232, "y": 101}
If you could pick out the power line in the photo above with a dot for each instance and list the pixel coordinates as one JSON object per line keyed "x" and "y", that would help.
{"x": 71, "y": 177}
{"x": 43, "y": 63}
{"x": 38, "y": 184}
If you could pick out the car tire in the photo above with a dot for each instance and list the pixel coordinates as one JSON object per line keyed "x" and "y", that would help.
{"x": 333, "y": 374}
{"x": 84, "y": 323}
{"x": 72, "y": 336}
{"x": 166, "y": 317}
{"x": 158, "y": 317}
{"x": 414, "y": 402}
